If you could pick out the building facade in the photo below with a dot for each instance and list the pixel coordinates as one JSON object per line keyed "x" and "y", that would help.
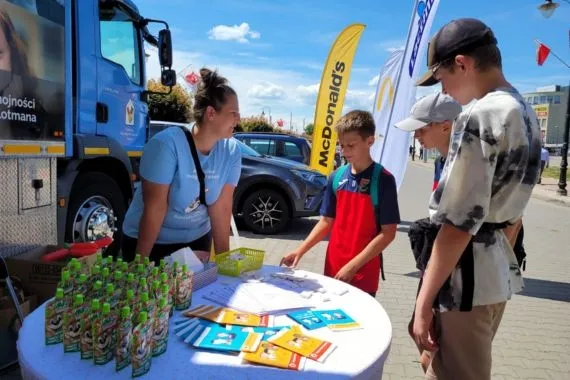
{"x": 549, "y": 104}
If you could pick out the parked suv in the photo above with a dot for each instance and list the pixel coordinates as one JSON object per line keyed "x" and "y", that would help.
{"x": 278, "y": 145}
{"x": 271, "y": 191}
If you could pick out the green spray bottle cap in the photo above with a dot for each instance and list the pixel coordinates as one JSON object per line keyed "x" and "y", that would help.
{"x": 118, "y": 275}
{"x": 130, "y": 278}
{"x": 125, "y": 312}
{"x": 163, "y": 302}
{"x": 130, "y": 294}
{"x": 146, "y": 261}
{"x": 155, "y": 285}
{"x": 78, "y": 300}
{"x": 164, "y": 289}
{"x": 119, "y": 261}
{"x": 143, "y": 316}
{"x": 142, "y": 282}
{"x": 96, "y": 269}
{"x": 164, "y": 278}
{"x": 162, "y": 264}
{"x": 98, "y": 285}
{"x": 65, "y": 276}
{"x": 99, "y": 258}
{"x": 138, "y": 258}
{"x": 105, "y": 272}
{"x": 95, "y": 304}
{"x": 140, "y": 269}
{"x": 110, "y": 288}
{"x": 59, "y": 293}
{"x": 76, "y": 265}
{"x": 155, "y": 271}
{"x": 82, "y": 278}
{"x": 144, "y": 297}
{"x": 184, "y": 268}
{"x": 106, "y": 308}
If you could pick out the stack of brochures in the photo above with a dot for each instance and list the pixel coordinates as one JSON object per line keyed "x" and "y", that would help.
{"x": 335, "y": 320}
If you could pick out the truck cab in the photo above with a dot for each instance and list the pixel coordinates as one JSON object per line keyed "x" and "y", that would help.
{"x": 97, "y": 111}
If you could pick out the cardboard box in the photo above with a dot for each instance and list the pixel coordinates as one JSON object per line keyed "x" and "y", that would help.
{"x": 38, "y": 277}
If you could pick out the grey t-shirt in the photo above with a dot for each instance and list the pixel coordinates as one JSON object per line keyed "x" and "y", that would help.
{"x": 491, "y": 169}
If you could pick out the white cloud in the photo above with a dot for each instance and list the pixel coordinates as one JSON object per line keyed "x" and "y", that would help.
{"x": 266, "y": 91}
{"x": 239, "y": 33}
{"x": 374, "y": 81}
{"x": 361, "y": 99}
{"x": 391, "y": 45}
{"x": 309, "y": 91}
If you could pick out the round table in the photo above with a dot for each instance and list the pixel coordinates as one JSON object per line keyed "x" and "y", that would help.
{"x": 360, "y": 354}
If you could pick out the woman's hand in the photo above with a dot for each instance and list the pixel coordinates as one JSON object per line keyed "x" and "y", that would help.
{"x": 155, "y": 200}
{"x": 220, "y": 217}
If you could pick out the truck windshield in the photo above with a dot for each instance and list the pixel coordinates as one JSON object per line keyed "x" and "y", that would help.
{"x": 120, "y": 41}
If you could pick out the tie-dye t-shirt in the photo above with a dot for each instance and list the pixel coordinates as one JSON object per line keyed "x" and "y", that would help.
{"x": 492, "y": 166}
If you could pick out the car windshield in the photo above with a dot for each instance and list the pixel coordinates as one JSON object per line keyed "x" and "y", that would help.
{"x": 247, "y": 151}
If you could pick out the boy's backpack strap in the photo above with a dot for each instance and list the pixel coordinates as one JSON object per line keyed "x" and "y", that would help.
{"x": 375, "y": 183}
{"x": 337, "y": 177}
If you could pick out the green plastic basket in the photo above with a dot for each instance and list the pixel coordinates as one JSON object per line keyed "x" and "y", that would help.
{"x": 251, "y": 259}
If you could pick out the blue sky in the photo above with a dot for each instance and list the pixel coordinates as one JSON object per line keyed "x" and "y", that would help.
{"x": 273, "y": 52}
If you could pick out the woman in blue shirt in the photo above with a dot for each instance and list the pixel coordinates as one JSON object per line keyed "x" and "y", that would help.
{"x": 166, "y": 213}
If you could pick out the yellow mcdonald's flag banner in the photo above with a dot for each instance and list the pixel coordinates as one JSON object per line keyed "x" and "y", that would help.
{"x": 330, "y": 99}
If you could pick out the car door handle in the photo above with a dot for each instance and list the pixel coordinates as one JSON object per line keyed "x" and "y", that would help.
{"x": 102, "y": 113}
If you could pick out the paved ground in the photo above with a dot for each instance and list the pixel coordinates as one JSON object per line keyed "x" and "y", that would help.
{"x": 534, "y": 338}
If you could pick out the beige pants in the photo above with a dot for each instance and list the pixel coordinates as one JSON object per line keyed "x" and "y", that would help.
{"x": 464, "y": 340}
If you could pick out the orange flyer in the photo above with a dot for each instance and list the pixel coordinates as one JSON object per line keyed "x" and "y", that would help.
{"x": 272, "y": 355}
{"x": 295, "y": 340}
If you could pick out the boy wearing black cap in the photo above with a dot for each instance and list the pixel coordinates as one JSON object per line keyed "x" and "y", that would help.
{"x": 493, "y": 165}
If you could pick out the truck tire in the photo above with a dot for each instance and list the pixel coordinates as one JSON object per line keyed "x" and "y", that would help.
{"x": 96, "y": 209}
{"x": 266, "y": 212}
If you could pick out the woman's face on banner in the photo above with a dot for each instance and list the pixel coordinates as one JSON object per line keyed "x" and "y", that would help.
{"x": 5, "y": 58}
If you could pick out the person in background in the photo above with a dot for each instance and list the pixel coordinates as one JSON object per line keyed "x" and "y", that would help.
{"x": 439, "y": 163}
{"x": 493, "y": 165}
{"x": 544, "y": 161}
{"x": 166, "y": 213}
{"x": 360, "y": 229}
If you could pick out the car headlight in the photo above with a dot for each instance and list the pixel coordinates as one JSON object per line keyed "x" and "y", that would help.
{"x": 312, "y": 177}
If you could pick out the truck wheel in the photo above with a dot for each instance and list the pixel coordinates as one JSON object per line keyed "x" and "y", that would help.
{"x": 266, "y": 212}
{"x": 96, "y": 209}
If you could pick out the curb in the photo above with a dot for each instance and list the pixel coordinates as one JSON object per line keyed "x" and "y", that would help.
{"x": 557, "y": 200}
{"x": 553, "y": 199}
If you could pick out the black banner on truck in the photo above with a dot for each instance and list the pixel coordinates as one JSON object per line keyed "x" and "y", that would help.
{"x": 32, "y": 69}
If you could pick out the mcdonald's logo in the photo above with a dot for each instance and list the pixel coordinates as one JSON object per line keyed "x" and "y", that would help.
{"x": 386, "y": 84}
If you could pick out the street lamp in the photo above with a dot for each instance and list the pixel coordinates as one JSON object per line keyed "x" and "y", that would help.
{"x": 263, "y": 113}
{"x": 547, "y": 9}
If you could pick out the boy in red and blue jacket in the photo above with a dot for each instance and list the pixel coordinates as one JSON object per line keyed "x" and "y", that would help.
{"x": 359, "y": 210}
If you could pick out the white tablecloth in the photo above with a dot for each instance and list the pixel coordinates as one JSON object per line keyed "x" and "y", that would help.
{"x": 360, "y": 353}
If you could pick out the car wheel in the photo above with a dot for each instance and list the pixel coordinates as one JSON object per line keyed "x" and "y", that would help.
{"x": 266, "y": 212}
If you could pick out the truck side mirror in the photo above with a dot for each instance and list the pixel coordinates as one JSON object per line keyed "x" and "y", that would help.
{"x": 165, "y": 48}
{"x": 168, "y": 78}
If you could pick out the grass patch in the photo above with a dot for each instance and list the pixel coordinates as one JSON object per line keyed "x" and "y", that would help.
{"x": 554, "y": 172}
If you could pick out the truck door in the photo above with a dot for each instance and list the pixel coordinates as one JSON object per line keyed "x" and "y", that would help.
{"x": 121, "y": 114}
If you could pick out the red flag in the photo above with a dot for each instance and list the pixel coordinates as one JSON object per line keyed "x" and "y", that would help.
{"x": 542, "y": 53}
{"x": 280, "y": 123}
{"x": 191, "y": 78}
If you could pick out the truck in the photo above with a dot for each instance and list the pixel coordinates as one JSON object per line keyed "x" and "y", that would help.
{"x": 73, "y": 117}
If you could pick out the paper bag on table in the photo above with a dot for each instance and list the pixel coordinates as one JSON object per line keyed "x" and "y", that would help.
{"x": 188, "y": 257}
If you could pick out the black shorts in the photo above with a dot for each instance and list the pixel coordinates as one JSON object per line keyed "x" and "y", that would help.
{"x": 160, "y": 251}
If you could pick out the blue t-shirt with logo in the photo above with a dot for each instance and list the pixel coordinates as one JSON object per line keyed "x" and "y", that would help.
{"x": 167, "y": 160}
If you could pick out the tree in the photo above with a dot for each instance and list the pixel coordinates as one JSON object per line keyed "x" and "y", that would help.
{"x": 309, "y": 128}
{"x": 255, "y": 124}
{"x": 175, "y": 107}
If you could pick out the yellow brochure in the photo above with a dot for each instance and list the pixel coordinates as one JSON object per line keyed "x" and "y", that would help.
{"x": 234, "y": 317}
{"x": 227, "y": 316}
{"x": 295, "y": 340}
{"x": 274, "y": 356}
